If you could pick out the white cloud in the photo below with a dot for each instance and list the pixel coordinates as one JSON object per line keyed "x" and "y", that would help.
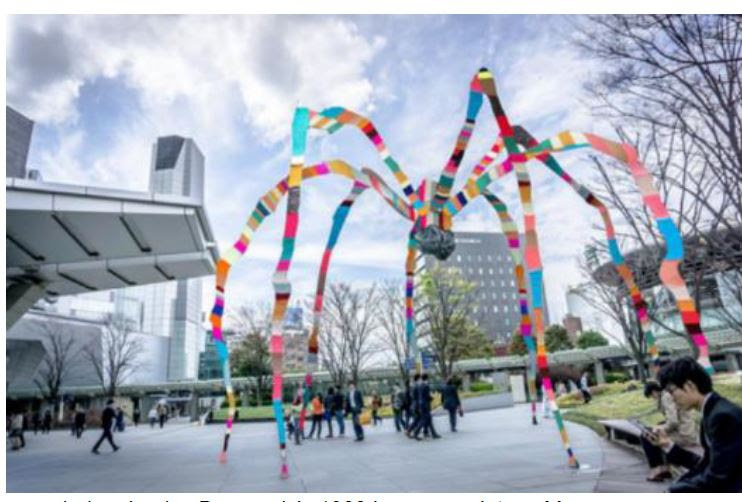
{"x": 215, "y": 68}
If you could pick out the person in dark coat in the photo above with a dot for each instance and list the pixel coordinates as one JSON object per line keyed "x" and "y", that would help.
{"x": 46, "y": 426}
{"x": 339, "y": 410}
{"x": 451, "y": 402}
{"x": 107, "y": 420}
{"x": 120, "y": 419}
{"x": 136, "y": 416}
{"x": 36, "y": 421}
{"x": 426, "y": 419}
{"x": 79, "y": 422}
{"x": 354, "y": 406}
{"x": 720, "y": 467}
{"x": 414, "y": 405}
{"x": 329, "y": 409}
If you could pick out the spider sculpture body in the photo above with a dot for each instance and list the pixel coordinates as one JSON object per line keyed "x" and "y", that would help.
{"x": 430, "y": 209}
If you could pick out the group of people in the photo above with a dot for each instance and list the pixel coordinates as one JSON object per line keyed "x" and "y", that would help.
{"x": 157, "y": 413}
{"x": 332, "y": 407}
{"x": 712, "y": 454}
{"x": 412, "y": 408}
{"x": 18, "y": 423}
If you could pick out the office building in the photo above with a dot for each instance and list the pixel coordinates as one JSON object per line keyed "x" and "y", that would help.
{"x": 484, "y": 259}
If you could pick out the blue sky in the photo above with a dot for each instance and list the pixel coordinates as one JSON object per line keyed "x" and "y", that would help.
{"x": 102, "y": 88}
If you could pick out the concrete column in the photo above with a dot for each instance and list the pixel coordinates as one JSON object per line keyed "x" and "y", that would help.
{"x": 599, "y": 372}
{"x": 19, "y": 298}
{"x": 732, "y": 362}
{"x": 466, "y": 382}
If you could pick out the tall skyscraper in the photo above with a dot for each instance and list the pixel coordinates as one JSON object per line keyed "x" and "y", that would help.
{"x": 484, "y": 258}
{"x": 18, "y": 131}
{"x": 173, "y": 309}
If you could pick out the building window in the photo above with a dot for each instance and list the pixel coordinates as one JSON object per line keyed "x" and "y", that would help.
{"x": 458, "y": 258}
{"x": 505, "y": 309}
{"x": 479, "y": 257}
{"x": 492, "y": 271}
{"x": 502, "y": 283}
{"x": 494, "y": 308}
{"x": 481, "y": 271}
{"x": 489, "y": 257}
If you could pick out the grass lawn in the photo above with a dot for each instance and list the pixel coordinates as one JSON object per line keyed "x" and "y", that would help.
{"x": 626, "y": 400}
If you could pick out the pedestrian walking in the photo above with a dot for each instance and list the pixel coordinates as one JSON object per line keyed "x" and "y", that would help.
{"x": 79, "y": 422}
{"x": 46, "y": 425}
{"x": 354, "y": 406}
{"x": 136, "y": 416}
{"x": 414, "y": 408}
{"x": 398, "y": 399}
{"x": 424, "y": 406}
{"x": 585, "y": 388}
{"x": 296, "y": 407}
{"x": 17, "y": 440}
{"x": 329, "y": 410}
{"x": 317, "y": 415}
{"x": 339, "y": 410}
{"x": 376, "y": 404}
{"x": 36, "y": 421}
{"x": 107, "y": 420}
{"x": 162, "y": 414}
{"x": 152, "y": 416}
{"x": 451, "y": 402}
{"x": 120, "y": 419}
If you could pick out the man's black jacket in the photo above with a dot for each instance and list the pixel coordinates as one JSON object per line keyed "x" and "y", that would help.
{"x": 720, "y": 468}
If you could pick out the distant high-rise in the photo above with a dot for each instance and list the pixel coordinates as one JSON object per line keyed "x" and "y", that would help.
{"x": 18, "y": 131}
{"x": 173, "y": 309}
{"x": 177, "y": 167}
{"x": 484, "y": 258}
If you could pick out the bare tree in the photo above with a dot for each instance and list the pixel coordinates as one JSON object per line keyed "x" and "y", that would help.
{"x": 350, "y": 322}
{"x": 392, "y": 321}
{"x": 612, "y": 300}
{"x": 119, "y": 354}
{"x": 59, "y": 356}
{"x": 671, "y": 85}
{"x": 447, "y": 324}
{"x": 251, "y": 357}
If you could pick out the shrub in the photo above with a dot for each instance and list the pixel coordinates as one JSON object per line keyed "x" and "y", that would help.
{"x": 225, "y": 403}
{"x": 481, "y": 386}
{"x": 616, "y": 377}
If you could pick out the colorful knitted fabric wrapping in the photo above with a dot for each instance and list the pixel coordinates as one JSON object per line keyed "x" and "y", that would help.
{"x": 433, "y": 204}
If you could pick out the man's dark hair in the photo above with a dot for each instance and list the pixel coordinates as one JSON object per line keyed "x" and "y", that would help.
{"x": 651, "y": 386}
{"x": 416, "y": 377}
{"x": 425, "y": 377}
{"x": 685, "y": 369}
{"x": 110, "y": 401}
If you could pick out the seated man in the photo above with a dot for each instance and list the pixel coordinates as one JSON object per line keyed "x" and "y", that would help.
{"x": 720, "y": 468}
{"x": 678, "y": 425}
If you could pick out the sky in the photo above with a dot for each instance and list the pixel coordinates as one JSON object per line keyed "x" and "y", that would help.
{"x": 101, "y": 89}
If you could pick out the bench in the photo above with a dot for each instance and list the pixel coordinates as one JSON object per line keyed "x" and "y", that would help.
{"x": 623, "y": 432}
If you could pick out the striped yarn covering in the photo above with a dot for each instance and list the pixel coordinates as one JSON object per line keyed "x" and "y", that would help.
{"x": 510, "y": 229}
{"x": 433, "y": 204}
{"x": 525, "y": 139}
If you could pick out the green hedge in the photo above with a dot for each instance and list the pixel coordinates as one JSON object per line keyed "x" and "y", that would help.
{"x": 481, "y": 386}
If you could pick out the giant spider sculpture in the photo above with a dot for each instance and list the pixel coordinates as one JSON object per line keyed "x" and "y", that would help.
{"x": 430, "y": 209}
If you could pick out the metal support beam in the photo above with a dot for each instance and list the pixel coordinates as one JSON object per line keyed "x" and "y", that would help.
{"x": 19, "y": 298}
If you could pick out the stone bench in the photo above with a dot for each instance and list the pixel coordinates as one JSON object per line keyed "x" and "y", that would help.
{"x": 624, "y": 432}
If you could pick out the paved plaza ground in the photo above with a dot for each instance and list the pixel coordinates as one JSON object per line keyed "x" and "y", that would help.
{"x": 494, "y": 451}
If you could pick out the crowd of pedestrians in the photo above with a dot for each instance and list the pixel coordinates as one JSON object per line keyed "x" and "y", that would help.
{"x": 411, "y": 406}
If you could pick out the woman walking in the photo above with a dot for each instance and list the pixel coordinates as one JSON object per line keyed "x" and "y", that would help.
{"x": 318, "y": 412}
{"x": 376, "y": 404}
